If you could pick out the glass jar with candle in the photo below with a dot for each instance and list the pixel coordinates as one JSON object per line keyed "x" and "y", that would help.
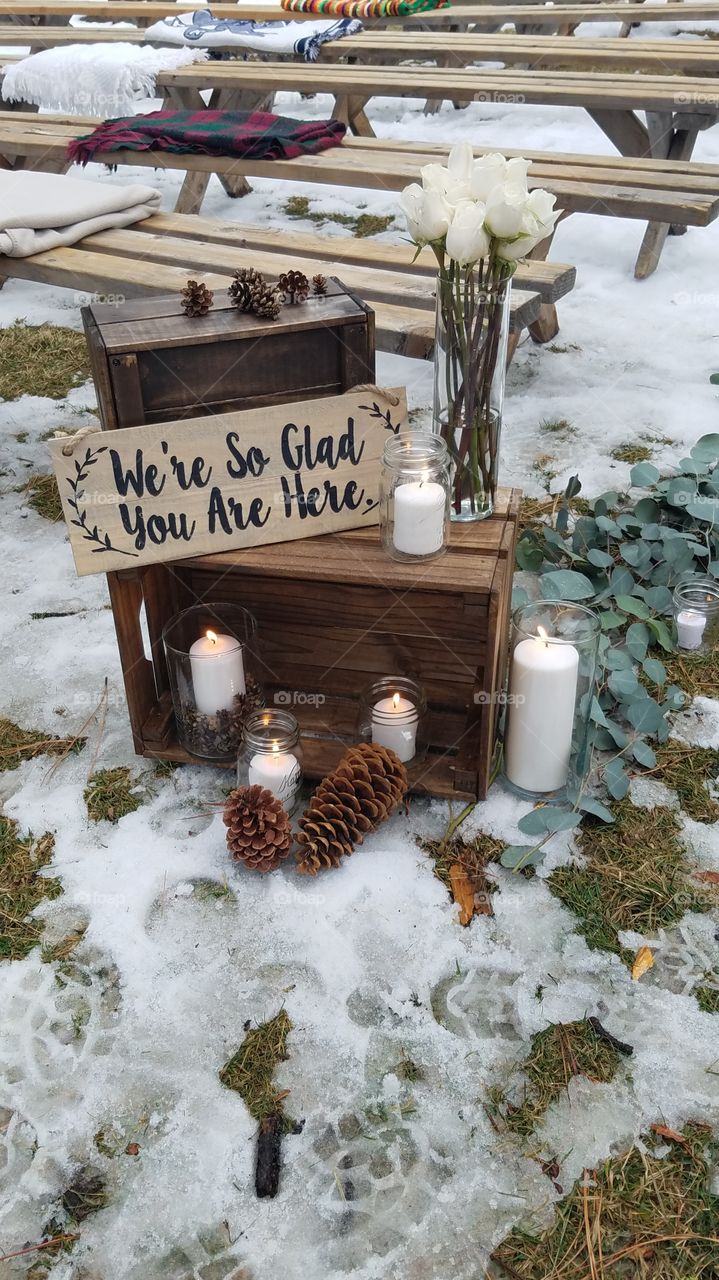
{"x": 212, "y": 663}
{"x": 393, "y": 713}
{"x": 696, "y": 614}
{"x": 271, "y": 755}
{"x": 414, "y": 496}
{"x": 552, "y": 678}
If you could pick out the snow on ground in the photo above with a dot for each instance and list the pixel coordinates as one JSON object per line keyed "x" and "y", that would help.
{"x": 368, "y": 960}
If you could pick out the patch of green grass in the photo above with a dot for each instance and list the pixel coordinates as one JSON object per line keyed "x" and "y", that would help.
{"x": 544, "y": 470}
{"x": 22, "y": 437}
{"x": 408, "y": 1069}
{"x": 534, "y": 512}
{"x": 472, "y": 855}
{"x": 250, "y": 1071}
{"x": 696, "y": 673}
{"x": 635, "y": 876}
{"x": 44, "y": 496}
{"x": 361, "y": 225}
{"x": 63, "y": 949}
{"x": 707, "y": 997}
{"x": 561, "y": 348}
{"x": 23, "y": 888}
{"x": 111, "y": 794}
{"x": 637, "y": 1216}
{"x": 557, "y": 1054}
{"x": 687, "y": 770}
{"x": 557, "y": 427}
{"x": 18, "y": 744}
{"x": 41, "y": 360}
{"x": 631, "y": 453}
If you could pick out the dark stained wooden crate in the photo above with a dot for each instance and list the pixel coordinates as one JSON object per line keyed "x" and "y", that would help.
{"x": 334, "y": 613}
{"x": 151, "y": 363}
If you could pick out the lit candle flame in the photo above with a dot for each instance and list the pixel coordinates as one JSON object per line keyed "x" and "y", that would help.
{"x": 275, "y": 748}
{"x": 211, "y": 636}
{"x": 395, "y": 702}
{"x": 542, "y": 635}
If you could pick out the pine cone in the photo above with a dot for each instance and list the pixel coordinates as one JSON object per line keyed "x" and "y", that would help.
{"x": 319, "y": 286}
{"x": 265, "y": 301}
{"x": 240, "y": 291}
{"x": 259, "y": 831}
{"x": 294, "y": 287}
{"x": 196, "y": 299}
{"x": 366, "y": 786}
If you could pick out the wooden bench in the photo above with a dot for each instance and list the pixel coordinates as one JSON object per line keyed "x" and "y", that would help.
{"x": 446, "y": 49}
{"x": 158, "y": 254}
{"x": 659, "y": 191}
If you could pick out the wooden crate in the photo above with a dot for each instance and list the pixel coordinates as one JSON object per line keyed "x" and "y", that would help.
{"x": 151, "y": 363}
{"x": 334, "y": 613}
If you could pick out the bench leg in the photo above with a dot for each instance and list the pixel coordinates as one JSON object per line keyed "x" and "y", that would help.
{"x": 351, "y": 111}
{"x": 678, "y": 146}
{"x": 195, "y": 184}
{"x": 546, "y": 326}
{"x": 192, "y": 192}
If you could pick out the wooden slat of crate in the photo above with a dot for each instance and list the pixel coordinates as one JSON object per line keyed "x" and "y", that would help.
{"x": 334, "y": 613}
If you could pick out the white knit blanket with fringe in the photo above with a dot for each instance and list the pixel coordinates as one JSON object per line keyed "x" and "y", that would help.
{"x": 100, "y": 80}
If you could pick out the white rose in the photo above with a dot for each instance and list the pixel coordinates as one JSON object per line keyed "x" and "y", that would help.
{"x": 519, "y": 247}
{"x": 538, "y": 222}
{"x": 467, "y": 240}
{"x": 427, "y": 213}
{"x": 487, "y": 173}
{"x": 460, "y": 162}
{"x": 435, "y": 177}
{"x": 506, "y": 206}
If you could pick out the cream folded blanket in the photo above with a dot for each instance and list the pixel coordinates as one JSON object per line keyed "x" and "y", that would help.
{"x": 92, "y": 79}
{"x": 40, "y": 211}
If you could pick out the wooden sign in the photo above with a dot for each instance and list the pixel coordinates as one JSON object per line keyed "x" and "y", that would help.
{"x": 177, "y": 489}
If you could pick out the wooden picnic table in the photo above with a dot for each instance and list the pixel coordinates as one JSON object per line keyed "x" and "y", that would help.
{"x": 446, "y": 49}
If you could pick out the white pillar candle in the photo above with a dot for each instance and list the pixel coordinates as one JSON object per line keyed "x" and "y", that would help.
{"x": 278, "y": 771}
{"x": 542, "y": 694}
{"x": 419, "y": 514}
{"x": 690, "y": 628}
{"x": 394, "y": 725}
{"x": 218, "y": 673}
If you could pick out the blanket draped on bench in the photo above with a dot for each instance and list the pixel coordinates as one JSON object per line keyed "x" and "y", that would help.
{"x": 363, "y": 8}
{"x": 40, "y": 211}
{"x": 92, "y": 79}
{"x": 201, "y": 30}
{"x": 254, "y": 135}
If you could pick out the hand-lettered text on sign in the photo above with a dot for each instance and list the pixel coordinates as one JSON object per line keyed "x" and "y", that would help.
{"x": 176, "y": 489}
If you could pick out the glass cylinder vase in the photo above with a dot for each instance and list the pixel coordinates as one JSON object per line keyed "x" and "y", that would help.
{"x": 470, "y": 359}
{"x": 414, "y": 496}
{"x": 271, "y": 755}
{"x": 696, "y": 614}
{"x": 211, "y": 652}
{"x": 393, "y": 713}
{"x": 552, "y": 680}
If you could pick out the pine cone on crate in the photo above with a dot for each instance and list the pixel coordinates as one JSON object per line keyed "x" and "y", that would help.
{"x": 368, "y": 783}
{"x": 196, "y": 299}
{"x": 265, "y": 301}
{"x": 243, "y": 282}
{"x": 319, "y": 286}
{"x": 259, "y": 831}
{"x": 294, "y": 287}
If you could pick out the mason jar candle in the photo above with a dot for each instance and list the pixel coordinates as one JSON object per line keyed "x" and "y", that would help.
{"x": 696, "y": 614}
{"x": 393, "y": 714}
{"x": 414, "y": 496}
{"x": 271, "y": 755}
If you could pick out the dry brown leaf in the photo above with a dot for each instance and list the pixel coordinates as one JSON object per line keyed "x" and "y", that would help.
{"x": 462, "y": 892}
{"x": 643, "y": 961}
{"x": 670, "y": 1134}
{"x": 709, "y": 877}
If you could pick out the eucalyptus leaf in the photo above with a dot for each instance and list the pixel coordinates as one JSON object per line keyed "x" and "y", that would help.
{"x": 645, "y": 715}
{"x": 623, "y": 684}
{"x": 520, "y": 855}
{"x": 529, "y": 556}
{"x": 565, "y": 584}
{"x": 638, "y": 640}
{"x": 588, "y": 804}
{"x": 661, "y": 634}
{"x": 601, "y": 559}
{"x": 607, "y": 525}
{"x": 655, "y": 669}
{"x": 706, "y": 448}
{"x": 706, "y": 509}
{"x": 647, "y": 510}
{"x": 618, "y": 660}
{"x": 630, "y": 604}
{"x": 644, "y": 474}
{"x": 609, "y": 619}
{"x": 643, "y": 754}
{"x": 520, "y": 597}
{"x": 534, "y": 823}
{"x": 622, "y": 582}
{"x": 660, "y": 599}
{"x": 616, "y": 780}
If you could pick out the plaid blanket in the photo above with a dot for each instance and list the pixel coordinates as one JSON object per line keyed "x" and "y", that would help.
{"x": 363, "y": 8}
{"x": 256, "y": 135}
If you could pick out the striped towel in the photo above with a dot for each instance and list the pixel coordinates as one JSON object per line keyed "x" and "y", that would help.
{"x": 201, "y": 30}
{"x": 363, "y": 8}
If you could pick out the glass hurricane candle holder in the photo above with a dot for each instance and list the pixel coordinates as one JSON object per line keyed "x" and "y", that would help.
{"x": 271, "y": 755}
{"x": 414, "y": 496}
{"x": 211, "y": 652}
{"x": 393, "y": 713}
{"x": 696, "y": 614}
{"x": 552, "y": 677}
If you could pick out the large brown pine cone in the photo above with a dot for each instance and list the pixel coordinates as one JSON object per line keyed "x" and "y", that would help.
{"x": 265, "y": 301}
{"x": 196, "y": 299}
{"x": 368, "y": 783}
{"x": 259, "y": 831}
{"x": 243, "y": 282}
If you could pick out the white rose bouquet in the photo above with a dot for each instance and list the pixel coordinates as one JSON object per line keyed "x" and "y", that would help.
{"x": 479, "y": 218}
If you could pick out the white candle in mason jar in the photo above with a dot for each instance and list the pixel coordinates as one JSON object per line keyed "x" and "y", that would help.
{"x": 542, "y": 694}
{"x": 278, "y": 771}
{"x": 218, "y": 673}
{"x": 690, "y": 628}
{"x": 419, "y": 515}
{"x": 394, "y": 725}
